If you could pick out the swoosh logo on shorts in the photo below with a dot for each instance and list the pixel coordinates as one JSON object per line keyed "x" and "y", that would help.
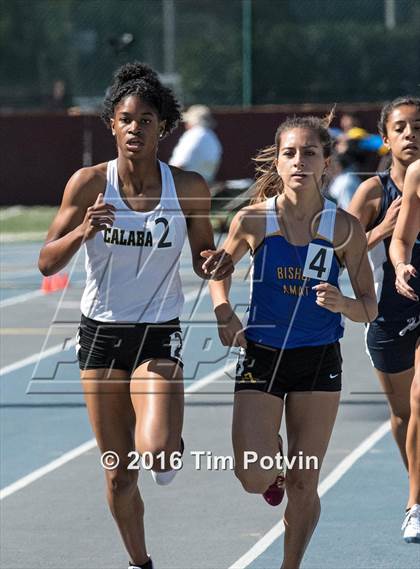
{"x": 334, "y": 376}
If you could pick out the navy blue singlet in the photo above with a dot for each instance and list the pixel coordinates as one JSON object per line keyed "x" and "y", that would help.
{"x": 391, "y": 305}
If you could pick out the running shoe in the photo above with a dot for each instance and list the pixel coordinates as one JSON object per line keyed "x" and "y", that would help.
{"x": 411, "y": 525}
{"x": 275, "y": 493}
{"x": 165, "y": 478}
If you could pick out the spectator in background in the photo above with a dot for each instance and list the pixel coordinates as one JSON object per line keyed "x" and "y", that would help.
{"x": 198, "y": 149}
{"x": 349, "y": 121}
{"x": 60, "y": 98}
{"x": 349, "y": 164}
{"x": 356, "y": 154}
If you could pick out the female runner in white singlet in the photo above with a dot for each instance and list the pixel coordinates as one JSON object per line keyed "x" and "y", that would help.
{"x": 132, "y": 215}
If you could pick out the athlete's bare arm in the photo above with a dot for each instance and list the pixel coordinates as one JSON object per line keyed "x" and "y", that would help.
{"x": 246, "y": 231}
{"x": 406, "y": 231}
{"x": 195, "y": 201}
{"x": 81, "y": 215}
{"x": 366, "y": 204}
{"x": 352, "y": 249}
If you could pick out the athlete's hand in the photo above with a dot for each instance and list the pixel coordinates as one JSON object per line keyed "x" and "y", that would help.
{"x": 231, "y": 332}
{"x": 218, "y": 264}
{"x": 98, "y": 217}
{"x": 403, "y": 273}
{"x": 390, "y": 219}
{"x": 329, "y": 297}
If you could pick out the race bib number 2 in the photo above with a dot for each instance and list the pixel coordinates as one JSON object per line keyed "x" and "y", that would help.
{"x": 318, "y": 262}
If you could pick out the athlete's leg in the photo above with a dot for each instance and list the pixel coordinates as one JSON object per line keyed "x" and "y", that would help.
{"x": 396, "y": 387}
{"x": 107, "y": 396}
{"x": 310, "y": 418}
{"x": 157, "y": 395}
{"x": 413, "y": 435}
{"x": 256, "y": 424}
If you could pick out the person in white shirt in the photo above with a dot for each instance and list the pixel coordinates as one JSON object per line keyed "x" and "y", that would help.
{"x": 198, "y": 149}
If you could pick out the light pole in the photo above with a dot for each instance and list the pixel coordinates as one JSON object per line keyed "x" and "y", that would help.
{"x": 390, "y": 21}
{"x": 246, "y": 53}
{"x": 169, "y": 36}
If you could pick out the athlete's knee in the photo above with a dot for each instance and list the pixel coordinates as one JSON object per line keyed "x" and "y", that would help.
{"x": 121, "y": 482}
{"x": 400, "y": 417}
{"x": 254, "y": 481}
{"x": 301, "y": 485}
{"x": 415, "y": 393}
{"x": 159, "y": 451}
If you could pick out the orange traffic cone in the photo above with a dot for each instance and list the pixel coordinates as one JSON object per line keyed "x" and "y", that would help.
{"x": 61, "y": 281}
{"x": 46, "y": 285}
{"x": 54, "y": 283}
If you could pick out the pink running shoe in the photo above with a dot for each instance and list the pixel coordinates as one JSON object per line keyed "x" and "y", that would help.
{"x": 275, "y": 493}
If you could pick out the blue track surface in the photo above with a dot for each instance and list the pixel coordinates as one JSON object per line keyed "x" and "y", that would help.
{"x": 360, "y": 520}
{"x": 360, "y": 523}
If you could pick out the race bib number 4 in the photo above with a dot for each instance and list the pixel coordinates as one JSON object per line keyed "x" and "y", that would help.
{"x": 318, "y": 262}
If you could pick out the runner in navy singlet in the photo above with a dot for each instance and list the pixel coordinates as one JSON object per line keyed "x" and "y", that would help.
{"x": 392, "y": 338}
{"x": 405, "y": 241}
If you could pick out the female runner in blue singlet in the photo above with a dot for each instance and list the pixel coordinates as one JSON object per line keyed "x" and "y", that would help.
{"x": 132, "y": 215}
{"x": 392, "y": 338}
{"x": 405, "y": 239}
{"x": 290, "y": 348}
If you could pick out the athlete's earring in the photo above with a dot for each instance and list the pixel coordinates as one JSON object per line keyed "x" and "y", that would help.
{"x": 161, "y": 134}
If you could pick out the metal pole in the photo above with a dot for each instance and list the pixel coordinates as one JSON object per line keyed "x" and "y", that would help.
{"x": 169, "y": 36}
{"x": 390, "y": 20}
{"x": 246, "y": 53}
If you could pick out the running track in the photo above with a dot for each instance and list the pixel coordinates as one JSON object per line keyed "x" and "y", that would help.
{"x": 53, "y": 512}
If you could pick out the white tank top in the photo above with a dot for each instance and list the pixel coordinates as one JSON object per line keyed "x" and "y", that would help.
{"x": 133, "y": 267}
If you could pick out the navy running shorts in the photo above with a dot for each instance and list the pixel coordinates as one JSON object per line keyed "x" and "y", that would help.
{"x": 268, "y": 369}
{"x": 391, "y": 346}
{"x": 113, "y": 345}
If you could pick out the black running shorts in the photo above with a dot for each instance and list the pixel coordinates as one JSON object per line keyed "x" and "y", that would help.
{"x": 392, "y": 345}
{"x": 267, "y": 369}
{"x": 125, "y": 346}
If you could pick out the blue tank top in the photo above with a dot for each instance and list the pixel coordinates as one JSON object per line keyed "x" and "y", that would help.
{"x": 391, "y": 305}
{"x": 283, "y": 312}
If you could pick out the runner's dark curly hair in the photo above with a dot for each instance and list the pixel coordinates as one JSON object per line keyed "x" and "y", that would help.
{"x": 140, "y": 79}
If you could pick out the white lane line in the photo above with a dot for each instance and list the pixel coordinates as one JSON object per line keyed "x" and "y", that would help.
{"x": 26, "y": 236}
{"x": 40, "y": 472}
{"x": 88, "y": 445}
{"x": 20, "y": 298}
{"x": 35, "y": 358}
{"x": 197, "y": 385}
{"x": 328, "y": 482}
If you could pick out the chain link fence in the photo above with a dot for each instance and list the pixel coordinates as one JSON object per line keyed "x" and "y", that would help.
{"x": 59, "y": 53}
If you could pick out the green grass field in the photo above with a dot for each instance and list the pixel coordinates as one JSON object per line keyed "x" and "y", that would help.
{"x": 20, "y": 220}
{"x": 32, "y": 223}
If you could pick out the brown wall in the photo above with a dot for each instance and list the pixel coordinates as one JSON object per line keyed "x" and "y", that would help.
{"x": 40, "y": 152}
